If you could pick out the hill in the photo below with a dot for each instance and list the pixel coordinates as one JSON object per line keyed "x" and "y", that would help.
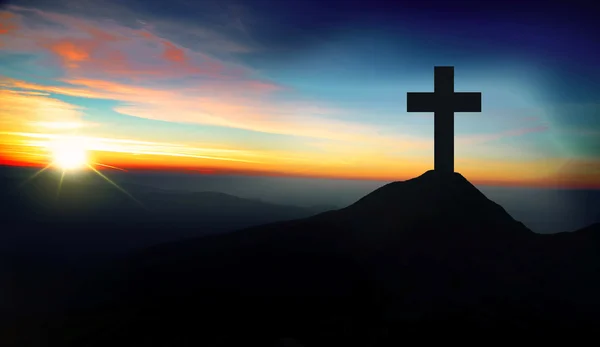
{"x": 431, "y": 252}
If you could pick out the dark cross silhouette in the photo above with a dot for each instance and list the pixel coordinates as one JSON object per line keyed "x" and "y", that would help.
{"x": 443, "y": 102}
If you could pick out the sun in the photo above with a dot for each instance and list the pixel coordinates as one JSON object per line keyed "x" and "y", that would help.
{"x": 69, "y": 154}
{"x": 70, "y": 158}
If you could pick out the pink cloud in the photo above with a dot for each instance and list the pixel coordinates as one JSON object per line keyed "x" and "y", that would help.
{"x": 7, "y": 22}
{"x": 173, "y": 53}
{"x": 92, "y": 48}
{"x": 8, "y": 25}
{"x": 71, "y": 53}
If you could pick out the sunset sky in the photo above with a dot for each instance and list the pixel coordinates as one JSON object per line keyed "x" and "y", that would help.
{"x": 306, "y": 88}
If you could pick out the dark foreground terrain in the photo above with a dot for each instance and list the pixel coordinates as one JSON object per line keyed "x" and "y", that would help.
{"x": 412, "y": 258}
{"x": 53, "y": 234}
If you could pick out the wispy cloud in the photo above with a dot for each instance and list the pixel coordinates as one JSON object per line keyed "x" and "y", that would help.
{"x": 135, "y": 147}
{"x": 31, "y": 110}
{"x": 196, "y": 105}
{"x": 8, "y": 23}
{"x": 105, "y": 60}
{"x": 162, "y": 70}
{"x": 87, "y": 47}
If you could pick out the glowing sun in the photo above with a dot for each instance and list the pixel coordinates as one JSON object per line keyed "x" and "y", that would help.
{"x": 69, "y": 154}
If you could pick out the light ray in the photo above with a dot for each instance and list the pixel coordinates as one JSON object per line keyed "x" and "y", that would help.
{"x": 62, "y": 177}
{"x": 110, "y": 166}
{"x": 35, "y": 175}
{"x": 184, "y": 155}
{"x": 116, "y": 185}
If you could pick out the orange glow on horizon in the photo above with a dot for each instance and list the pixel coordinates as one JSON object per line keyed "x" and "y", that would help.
{"x": 121, "y": 164}
{"x": 34, "y": 149}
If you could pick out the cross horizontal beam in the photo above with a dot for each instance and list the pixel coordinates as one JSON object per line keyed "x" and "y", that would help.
{"x": 420, "y": 102}
{"x": 429, "y": 102}
{"x": 466, "y": 102}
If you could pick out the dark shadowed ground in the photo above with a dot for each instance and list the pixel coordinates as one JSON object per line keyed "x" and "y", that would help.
{"x": 51, "y": 237}
{"x": 432, "y": 252}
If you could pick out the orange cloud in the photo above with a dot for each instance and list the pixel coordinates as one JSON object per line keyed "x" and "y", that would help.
{"x": 7, "y": 22}
{"x": 101, "y": 48}
{"x": 8, "y": 25}
{"x": 173, "y": 53}
{"x": 71, "y": 53}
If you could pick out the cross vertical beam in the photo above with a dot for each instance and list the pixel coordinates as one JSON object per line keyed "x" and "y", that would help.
{"x": 443, "y": 89}
{"x": 443, "y": 143}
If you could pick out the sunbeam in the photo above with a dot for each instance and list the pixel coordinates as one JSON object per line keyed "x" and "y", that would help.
{"x": 62, "y": 177}
{"x": 115, "y": 185}
{"x": 111, "y": 167}
{"x": 35, "y": 175}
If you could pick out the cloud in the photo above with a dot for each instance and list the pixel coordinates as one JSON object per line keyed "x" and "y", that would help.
{"x": 27, "y": 111}
{"x": 105, "y": 60}
{"x": 95, "y": 47}
{"x": 173, "y": 53}
{"x": 42, "y": 142}
{"x": 71, "y": 53}
{"x": 197, "y": 105}
{"x": 203, "y": 26}
{"x": 7, "y": 23}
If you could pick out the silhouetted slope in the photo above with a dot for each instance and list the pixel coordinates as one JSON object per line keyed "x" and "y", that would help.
{"x": 420, "y": 200}
{"x": 591, "y": 231}
{"x": 429, "y": 252}
{"x": 430, "y": 203}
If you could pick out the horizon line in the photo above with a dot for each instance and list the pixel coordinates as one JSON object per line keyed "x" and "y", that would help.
{"x": 254, "y": 173}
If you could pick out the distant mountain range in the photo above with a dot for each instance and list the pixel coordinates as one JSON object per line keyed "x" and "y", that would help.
{"x": 90, "y": 215}
{"x": 431, "y": 252}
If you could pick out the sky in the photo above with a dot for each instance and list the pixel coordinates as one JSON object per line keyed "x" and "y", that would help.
{"x": 307, "y": 88}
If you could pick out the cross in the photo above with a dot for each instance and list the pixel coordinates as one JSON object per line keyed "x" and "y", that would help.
{"x": 443, "y": 102}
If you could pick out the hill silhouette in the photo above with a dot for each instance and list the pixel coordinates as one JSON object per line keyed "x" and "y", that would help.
{"x": 431, "y": 252}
